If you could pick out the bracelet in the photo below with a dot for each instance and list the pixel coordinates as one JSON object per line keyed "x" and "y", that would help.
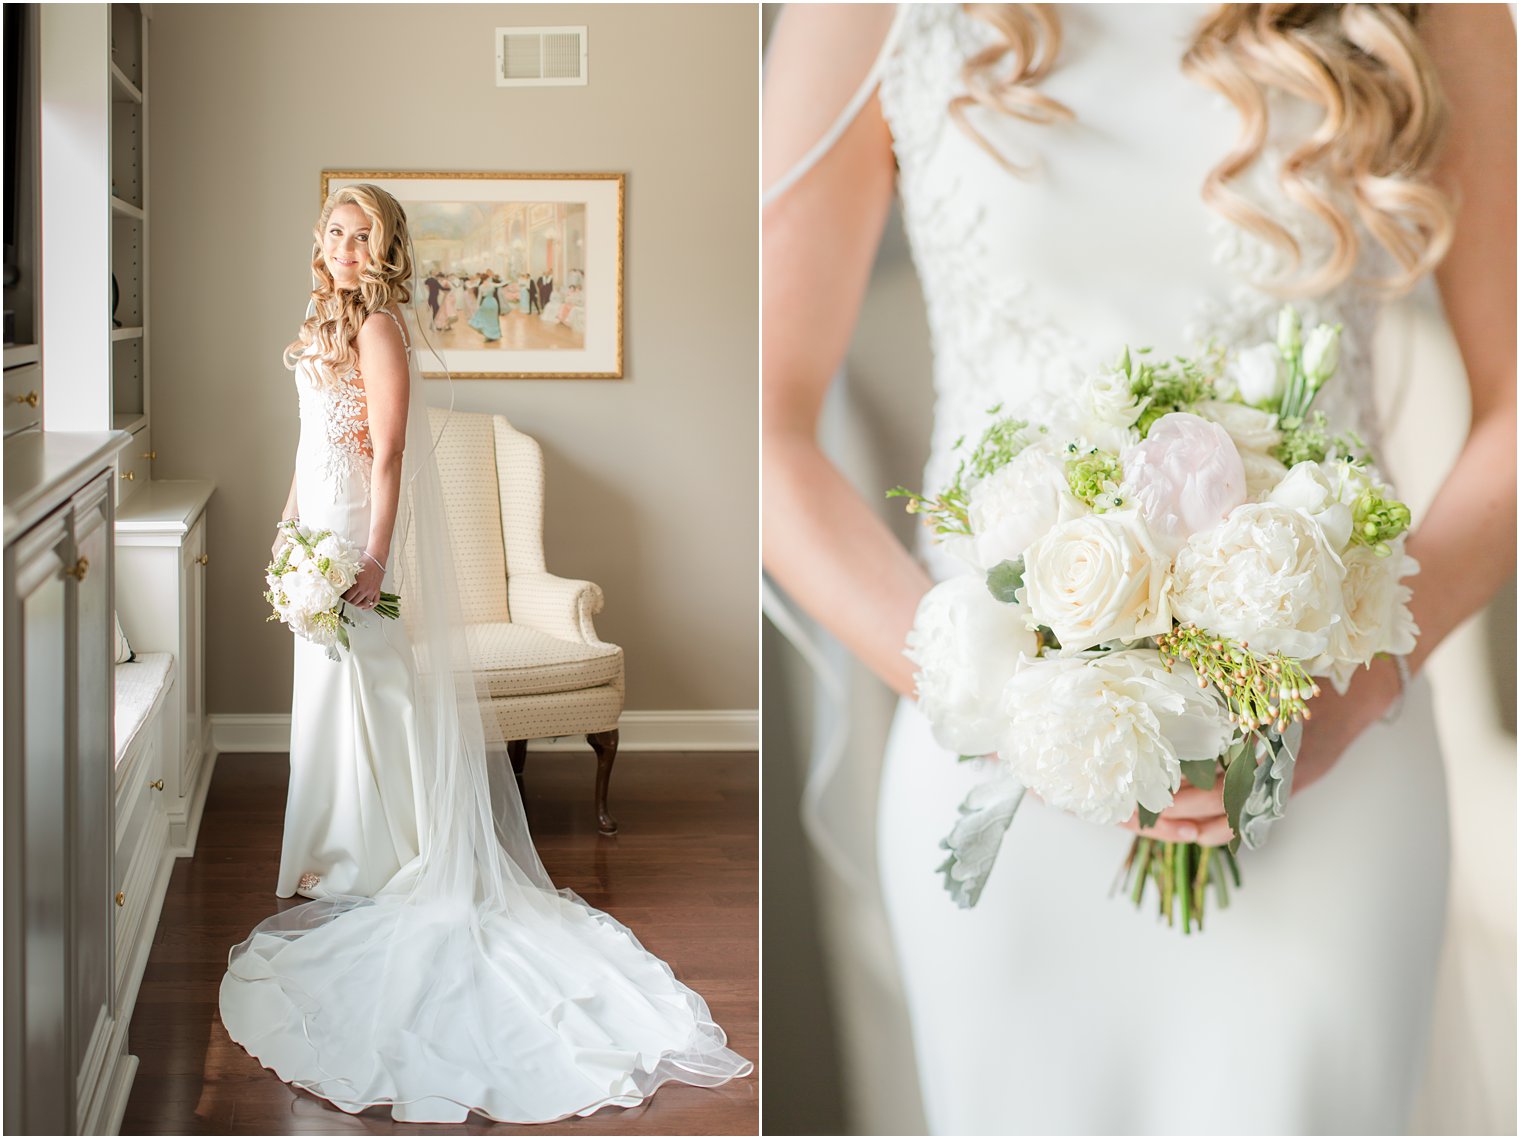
{"x": 1402, "y": 664}
{"x": 293, "y": 520}
{"x": 374, "y": 559}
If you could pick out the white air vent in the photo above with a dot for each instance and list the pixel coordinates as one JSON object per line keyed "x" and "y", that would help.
{"x": 540, "y": 57}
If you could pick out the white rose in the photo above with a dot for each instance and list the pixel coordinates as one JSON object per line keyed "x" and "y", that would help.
{"x": 1316, "y": 490}
{"x": 1107, "y": 411}
{"x": 1013, "y": 506}
{"x": 1098, "y": 578}
{"x": 1186, "y": 476}
{"x": 1267, "y": 576}
{"x": 298, "y": 555}
{"x": 1377, "y": 618}
{"x": 1097, "y": 736}
{"x": 1260, "y": 374}
{"x": 1254, "y": 434}
{"x": 966, "y": 644}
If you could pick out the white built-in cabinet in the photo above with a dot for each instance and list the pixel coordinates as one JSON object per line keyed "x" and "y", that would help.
{"x": 66, "y": 1067}
{"x": 106, "y": 765}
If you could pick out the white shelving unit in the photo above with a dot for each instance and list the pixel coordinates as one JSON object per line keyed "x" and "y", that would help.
{"x": 147, "y": 765}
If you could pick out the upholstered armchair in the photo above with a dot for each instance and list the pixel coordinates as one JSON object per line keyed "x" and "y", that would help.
{"x": 540, "y": 668}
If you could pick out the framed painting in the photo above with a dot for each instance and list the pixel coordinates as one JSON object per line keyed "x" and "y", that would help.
{"x": 519, "y": 276}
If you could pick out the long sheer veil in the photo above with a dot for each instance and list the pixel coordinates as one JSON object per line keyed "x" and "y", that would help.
{"x": 468, "y": 982}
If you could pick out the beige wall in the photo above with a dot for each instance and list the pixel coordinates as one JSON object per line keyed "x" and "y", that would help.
{"x": 651, "y": 479}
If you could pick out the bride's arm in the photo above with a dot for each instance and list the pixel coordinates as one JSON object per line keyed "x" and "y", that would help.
{"x": 821, "y": 541}
{"x": 1465, "y": 543}
{"x": 387, "y": 382}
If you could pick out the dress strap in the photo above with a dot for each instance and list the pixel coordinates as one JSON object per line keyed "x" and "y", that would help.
{"x": 401, "y": 325}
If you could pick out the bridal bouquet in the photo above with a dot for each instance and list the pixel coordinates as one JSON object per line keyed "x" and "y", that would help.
{"x": 307, "y": 581}
{"x": 1160, "y": 570}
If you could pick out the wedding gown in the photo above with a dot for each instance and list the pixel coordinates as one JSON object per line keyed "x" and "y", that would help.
{"x": 439, "y": 971}
{"x": 1052, "y": 1007}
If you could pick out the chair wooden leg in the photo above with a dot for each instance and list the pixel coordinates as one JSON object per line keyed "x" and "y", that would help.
{"x": 517, "y": 752}
{"x": 605, "y": 745}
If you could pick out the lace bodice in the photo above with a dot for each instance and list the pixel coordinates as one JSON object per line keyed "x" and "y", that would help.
{"x": 1030, "y": 280}
{"x": 335, "y": 421}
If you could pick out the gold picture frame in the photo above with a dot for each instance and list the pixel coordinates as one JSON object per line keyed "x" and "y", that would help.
{"x": 523, "y": 270}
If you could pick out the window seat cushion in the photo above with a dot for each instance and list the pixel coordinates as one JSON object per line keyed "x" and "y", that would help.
{"x": 140, "y": 685}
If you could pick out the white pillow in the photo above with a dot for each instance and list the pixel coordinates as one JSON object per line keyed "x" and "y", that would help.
{"x": 124, "y": 651}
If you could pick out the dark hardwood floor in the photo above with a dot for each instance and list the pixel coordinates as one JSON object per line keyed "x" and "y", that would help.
{"x": 682, "y": 874}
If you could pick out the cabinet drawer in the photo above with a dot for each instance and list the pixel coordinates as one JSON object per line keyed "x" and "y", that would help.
{"x": 133, "y": 466}
{"x": 23, "y": 397}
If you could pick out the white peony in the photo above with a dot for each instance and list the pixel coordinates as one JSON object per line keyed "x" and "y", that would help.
{"x": 1186, "y": 476}
{"x": 1377, "y": 617}
{"x": 308, "y": 590}
{"x": 1096, "y": 736}
{"x": 1260, "y": 374}
{"x": 1012, "y": 507}
{"x": 1266, "y": 576}
{"x": 343, "y": 560}
{"x": 966, "y": 644}
{"x": 1107, "y": 411}
{"x": 1318, "y": 490}
{"x": 1098, "y": 578}
{"x": 1254, "y": 434}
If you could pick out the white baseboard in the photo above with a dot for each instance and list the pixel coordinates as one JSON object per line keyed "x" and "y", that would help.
{"x": 728, "y": 730}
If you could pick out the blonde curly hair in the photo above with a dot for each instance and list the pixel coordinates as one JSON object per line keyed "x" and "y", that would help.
{"x": 1370, "y": 159}
{"x": 340, "y": 313}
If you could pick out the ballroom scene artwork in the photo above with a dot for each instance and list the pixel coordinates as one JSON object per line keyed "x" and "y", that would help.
{"x": 518, "y": 276}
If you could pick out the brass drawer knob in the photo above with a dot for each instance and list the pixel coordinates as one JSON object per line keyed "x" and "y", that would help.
{"x": 30, "y": 399}
{"x": 150, "y": 455}
{"x": 130, "y": 476}
{"x": 157, "y": 785}
{"x": 121, "y": 899}
{"x": 202, "y": 559}
{"x": 79, "y": 569}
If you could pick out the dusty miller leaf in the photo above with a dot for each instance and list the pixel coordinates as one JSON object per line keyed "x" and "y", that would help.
{"x": 1005, "y": 579}
{"x": 1270, "y": 787}
{"x": 977, "y": 837}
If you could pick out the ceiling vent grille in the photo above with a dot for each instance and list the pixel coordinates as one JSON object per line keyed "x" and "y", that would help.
{"x": 541, "y": 57}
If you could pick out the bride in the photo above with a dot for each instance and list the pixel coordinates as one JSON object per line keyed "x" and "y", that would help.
{"x": 1073, "y": 180}
{"x": 437, "y": 970}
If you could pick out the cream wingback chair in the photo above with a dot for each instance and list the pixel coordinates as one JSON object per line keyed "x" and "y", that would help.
{"x": 540, "y": 669}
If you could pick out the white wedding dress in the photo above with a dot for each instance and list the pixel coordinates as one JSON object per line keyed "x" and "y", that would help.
{"x": 1051, "y": 1007}
{"x": 438, "y": 971}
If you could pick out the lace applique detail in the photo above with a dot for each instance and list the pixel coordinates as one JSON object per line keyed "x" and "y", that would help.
{"x": 346, "y": 450}
{"x": 980, "y": 312}
{"x": 1246, "y": 313}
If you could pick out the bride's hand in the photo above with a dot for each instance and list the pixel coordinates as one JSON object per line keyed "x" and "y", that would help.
{"x": 1336, "y": 721}
{"x": 365, "y": 591}
{"x": 1194, "y": 816}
